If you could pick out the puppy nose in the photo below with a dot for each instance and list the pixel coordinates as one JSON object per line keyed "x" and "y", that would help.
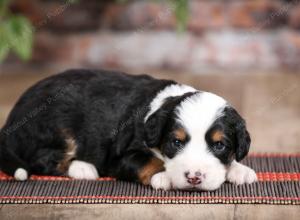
{"x": 198, "y": 173}
{"x": 193, "y": 179}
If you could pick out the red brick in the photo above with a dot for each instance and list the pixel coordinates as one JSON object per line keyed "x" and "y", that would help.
{"x": 259, "y": 14}
{"x": 206, "y": 15}
{"x": 30, "y": 9}
{"x": 294, "y": 19}
{"x": 49, "y": 48}
{"x": 138, "y": 15}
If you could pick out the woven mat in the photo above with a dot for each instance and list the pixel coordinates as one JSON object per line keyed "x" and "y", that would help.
{"x": 279, "y": 183}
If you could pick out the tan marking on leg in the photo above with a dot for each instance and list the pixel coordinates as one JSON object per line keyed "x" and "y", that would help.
{"x": 180, "y": 134}
{"x": 154, "y": 166}
{"x": 217, "y": 136}
{"x": 70, "y": 152}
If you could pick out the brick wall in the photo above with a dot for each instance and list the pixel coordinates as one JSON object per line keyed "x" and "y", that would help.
{"x": 224, "y": 35}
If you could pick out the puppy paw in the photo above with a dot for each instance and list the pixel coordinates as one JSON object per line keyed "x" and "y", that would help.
{"x": 240, "y": 174}
{"x": 82, "y": 170}
{"x": 21, "y": 174}
{"x": 161, "y": 181}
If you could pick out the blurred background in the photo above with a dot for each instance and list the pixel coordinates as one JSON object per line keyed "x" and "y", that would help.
{"x": 247, "y": 51}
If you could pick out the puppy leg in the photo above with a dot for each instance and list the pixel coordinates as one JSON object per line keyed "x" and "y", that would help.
{"x": 161, "y": 181}
{"x": 239, "y": 174}
{"x": 13, "y": 165}
{"x": 143, "y": 167}
{"x": 82, "y": 170}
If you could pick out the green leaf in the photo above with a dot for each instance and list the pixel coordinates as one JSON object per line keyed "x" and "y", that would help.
{"x": 4, "y": 42}
{"x": 181, "y": 13}
{"x": 3, "y": 52}
{"x": 20, "y": 33}
{"x": 3, "y": 7}
{"x": 2, "y": 2}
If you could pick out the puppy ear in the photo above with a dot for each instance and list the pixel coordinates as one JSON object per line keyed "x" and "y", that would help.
{"x": 155, "y": 125}
{"x": 243, "y": 141}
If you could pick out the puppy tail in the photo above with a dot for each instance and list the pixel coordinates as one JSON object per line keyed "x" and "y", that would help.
{"x": 11, "y": 164}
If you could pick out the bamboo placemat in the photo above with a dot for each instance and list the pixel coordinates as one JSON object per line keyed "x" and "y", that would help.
{"x": 278, "y": 174}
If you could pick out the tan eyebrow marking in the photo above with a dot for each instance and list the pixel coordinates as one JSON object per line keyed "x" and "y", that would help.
{"x": 180, "y": 134}
{"x": 217, "y": 136}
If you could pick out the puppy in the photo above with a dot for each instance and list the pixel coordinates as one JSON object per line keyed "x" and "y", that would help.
{"x": 90, "y": 123}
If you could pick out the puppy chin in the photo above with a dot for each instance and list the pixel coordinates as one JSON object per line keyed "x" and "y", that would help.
{"x": 215, "y": 176}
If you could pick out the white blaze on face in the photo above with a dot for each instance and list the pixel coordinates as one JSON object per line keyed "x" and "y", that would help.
{"x": 196, "y": 114}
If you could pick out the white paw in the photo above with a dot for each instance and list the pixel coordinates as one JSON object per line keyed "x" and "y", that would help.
{"x": 21, "y": 174}
{"x": 160, "y": 181}
{"x": 82, "y": 170}
{"x": 240, "y": 174}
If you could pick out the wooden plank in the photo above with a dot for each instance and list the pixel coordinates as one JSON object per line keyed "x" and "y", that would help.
{"x": 266, "y": 212}
{"x": 117, "y": 211}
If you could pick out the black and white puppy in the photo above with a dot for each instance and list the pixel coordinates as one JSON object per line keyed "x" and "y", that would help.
{"x": 87, "y": 123}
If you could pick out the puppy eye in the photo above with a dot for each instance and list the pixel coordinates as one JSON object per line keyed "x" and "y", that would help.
{"x": 177, "y": 143}
{"x": 219, "y": 146}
